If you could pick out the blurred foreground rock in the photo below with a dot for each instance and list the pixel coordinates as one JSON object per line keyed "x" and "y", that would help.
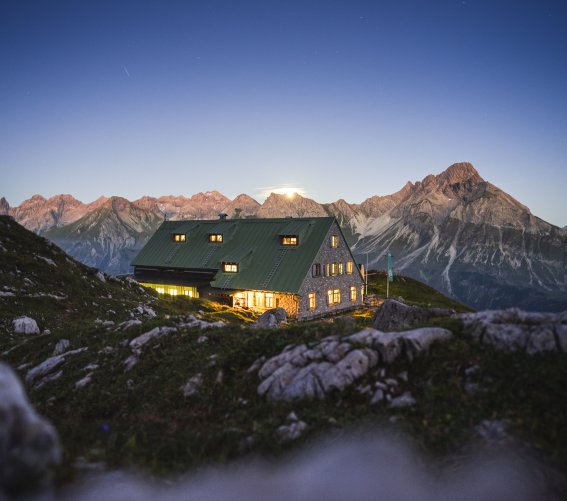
{"x": 29, "y": 446}
{"x": 354, "y": 468}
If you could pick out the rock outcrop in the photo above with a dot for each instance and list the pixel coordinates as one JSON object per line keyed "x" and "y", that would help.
{"x": 395, "y": 315}
{"x": 335, "y": 363}
{"x": 25, "y": 325}
{"x": 514, "y": 329}
{"x": 29, "y": 446}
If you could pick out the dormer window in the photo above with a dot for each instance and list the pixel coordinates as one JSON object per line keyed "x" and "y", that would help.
{"x": 289, "y": 240}
{"x": 215, "y": 237}
{"x": 230, "y": 267}
{"x": 178, "y": 237}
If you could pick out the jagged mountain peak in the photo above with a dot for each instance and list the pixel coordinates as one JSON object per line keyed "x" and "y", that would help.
{"x": 296, "y": 205}
{"x": 4, "y": 207}
{"x": 460, "y": 172}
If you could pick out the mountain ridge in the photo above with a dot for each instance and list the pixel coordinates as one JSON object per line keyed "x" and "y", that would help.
{"x": 454, "y": 230}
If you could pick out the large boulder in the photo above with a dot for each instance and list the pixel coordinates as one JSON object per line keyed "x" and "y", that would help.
{"x": 270, "y": 319}
{"x": 25, "y": 325}
{"x": 394, "y": 315}
{"x": 29, "y": 446}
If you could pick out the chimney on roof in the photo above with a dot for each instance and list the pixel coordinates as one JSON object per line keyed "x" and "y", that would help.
{"x": 223, "y": 216}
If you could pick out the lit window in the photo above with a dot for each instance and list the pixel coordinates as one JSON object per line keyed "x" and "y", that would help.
{"x": 316, "y": 270}
{"x": 230, "y": 267}
{"x": 172, "y": 292}
{"x": 178, "y": 237}
{"x": 289, "y": 240}
{"x": 353, "y": 293}
{"x": 215, "y": 237}
{"x": 349, "y": 267}
{"x": 340, "y": 268}
{"x": 334, "y": 241}
{"x": 334, "y": 296}
{"x": 327, "y": 269}
{"x": 160, "y": 290}
{"x": 312, "y": 301}
{"x": 334, "y": 268}
{"x": 269, "y": 300}
{"x": 188, "y": 292}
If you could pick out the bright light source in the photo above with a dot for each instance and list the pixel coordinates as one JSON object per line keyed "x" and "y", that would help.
{"x": 288, "y": 191}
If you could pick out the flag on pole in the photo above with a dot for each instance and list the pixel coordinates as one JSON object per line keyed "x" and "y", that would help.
{"x": 390, "y": 270}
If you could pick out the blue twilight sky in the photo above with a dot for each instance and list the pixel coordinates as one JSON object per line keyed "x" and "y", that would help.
{"x": 344, "y": 99}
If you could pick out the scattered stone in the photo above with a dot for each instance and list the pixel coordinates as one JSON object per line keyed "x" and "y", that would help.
{"x": 146, "y": 310}
{"x": 192, "y": 386}
{"x": 61, "y": 346}
{"x": 292, "y": 416}
{"x": 377, "y": 397}
{"x": 138, "y": 343}
{"x": 391, "y": 382}
{"x": 364, "y": 390}
{"x": 128, "y": 324}
{"x": 100, "y": 276}
{"x": 49, "y": 261}
{"x": 395, "y": 315}
{"x": 403, "y": 376}
{"x": 83, "y": 382}
{"x": 91, "y": 367}
{"x": 270, "y": 319}
{"x": 202, "y": 339}
{"x": 193, "y": 321}
{"x": 381, "y": 386}
{"x": 404, "y": 400}
{"x": 493, "y": 432}
{"x": 46, "y": 332}
{"x": 255, "y": 367}
{"x": 25, "y": 325}
{"x": 29, "y": 446}
{"x": 292, "y": 431}
{"x": 220, "y": 377}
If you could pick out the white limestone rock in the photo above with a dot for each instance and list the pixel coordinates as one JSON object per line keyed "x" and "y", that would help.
{"x": 61, "y": 346}
{"x": 404, "y": 400}
{"x": 138, "y": 343}
{"x": 25, "y": 325}
{"x": 49, "y": 365}
{"x": 291, "y": 431}
{"x": 29, "y": 446}
{"x": 81, "y": 383}
{"x": 191, "y": 387}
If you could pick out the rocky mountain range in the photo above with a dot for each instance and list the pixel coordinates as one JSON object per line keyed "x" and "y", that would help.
{"x": 455, "y": 231}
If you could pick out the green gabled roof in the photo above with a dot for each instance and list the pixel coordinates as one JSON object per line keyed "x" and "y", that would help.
{"x": 263, "y": 263}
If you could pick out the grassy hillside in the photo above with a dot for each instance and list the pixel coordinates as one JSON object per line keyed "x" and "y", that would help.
{"x": 411, "y": 291}
{"x": 139, "y": 418}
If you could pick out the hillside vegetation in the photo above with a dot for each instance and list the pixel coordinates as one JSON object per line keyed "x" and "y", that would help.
{"x": 119, "y": 406}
